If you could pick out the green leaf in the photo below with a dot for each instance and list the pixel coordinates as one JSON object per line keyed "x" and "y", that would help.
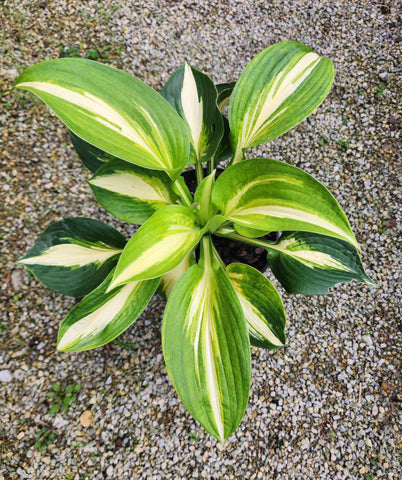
{"x": 280, "y": 87}
{"x": 224, "y": 93}
{"x": 193, "y": 95}
{"x": 159, "y": 245}
{"x": 273, "y": 196}
{"x": 91, "y": 156}
{"x": 262, "y": 306}
{"x": 131, "y": 193}
{"x": 206, "y": 346}
{"x": 54, "y": 409}
{"x": 309, "y": 263}
{"x": 102, "y": 316}
{"x": 111, "y": 110}
{"x": 73, "y": 256}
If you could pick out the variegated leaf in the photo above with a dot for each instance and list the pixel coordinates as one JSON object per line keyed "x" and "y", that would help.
{"x": 131, "y": 193}
{"x": 193, "y": 94}
{"x": 309, "y": 263}
{"x": 73, "y": 256}
{"x": 111, "y": 110}
{"x": 159, "y": 245}
{"x": 206, "y": 347}
{"x": 169, "y": 280}
{"x": 262, "y": 306}
{"x": 102, "y": 316}
{"x": 273, "y": 196}
{"x": 281, "y": 86}
{"x": 92, "y": 157}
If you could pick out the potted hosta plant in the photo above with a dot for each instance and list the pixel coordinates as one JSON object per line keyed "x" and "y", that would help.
{"x": 137, "y": 143}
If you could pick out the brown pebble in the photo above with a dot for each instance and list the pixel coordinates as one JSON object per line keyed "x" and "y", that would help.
{"x": 391, "y": 223}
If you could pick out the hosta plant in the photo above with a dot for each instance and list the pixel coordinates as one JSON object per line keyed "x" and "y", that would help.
{"x": 137, "y": 143}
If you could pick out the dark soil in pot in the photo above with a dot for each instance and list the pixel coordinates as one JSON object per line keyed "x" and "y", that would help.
{"x": 232, "y": 251}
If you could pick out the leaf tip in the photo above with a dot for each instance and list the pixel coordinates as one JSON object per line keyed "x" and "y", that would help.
{"x": 113, "y": 284}
{"x": 60, "y": 347}
{"x": 369, "y": 281}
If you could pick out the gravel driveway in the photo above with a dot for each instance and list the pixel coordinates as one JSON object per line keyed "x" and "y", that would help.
{"x": 327, "y": 406}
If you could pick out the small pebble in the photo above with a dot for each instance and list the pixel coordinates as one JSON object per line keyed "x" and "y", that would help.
{"x": 5, "y": 376}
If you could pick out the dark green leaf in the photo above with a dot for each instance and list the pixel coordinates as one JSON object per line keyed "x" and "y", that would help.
{"x": 310, "y": 263}
{"x": 73, "y": 256}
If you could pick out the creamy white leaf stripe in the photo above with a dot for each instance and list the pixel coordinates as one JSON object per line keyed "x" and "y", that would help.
{"x": 71, "y": 255}
{"x": 131, "y": 185}
{"x": 308, "y": 257}
{"x": 98, "y": 320}
{"x": 102, "y": 112}
{"x": 192, "y": 106}
{"x": 273, "y": 96}
{"x": 289, "y": 213}
{"x": 169, "y": 280}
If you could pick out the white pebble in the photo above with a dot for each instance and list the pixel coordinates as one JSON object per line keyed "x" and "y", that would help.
{"x": 5, "y": 376}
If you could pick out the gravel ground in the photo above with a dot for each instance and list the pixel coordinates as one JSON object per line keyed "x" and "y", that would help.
{"x": 328, "y": 405}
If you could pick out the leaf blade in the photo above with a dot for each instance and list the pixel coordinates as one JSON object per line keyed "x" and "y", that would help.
{"x": 270, "y": 195}
{"x": 73, "y": 256}
{"x": 131, "y": 193}
{"x": 262, "y": 306}
{"x": 193, "y": 95}
{"x": 159, "y": 245}
{"x": 210, "y": 365}
{"x": 100, "y": 105}
{"x": 92, "y": 157}
{"x": 279, "y": 88}
{"x": 309, "y": 263}
{"x": 100, "y": 317}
